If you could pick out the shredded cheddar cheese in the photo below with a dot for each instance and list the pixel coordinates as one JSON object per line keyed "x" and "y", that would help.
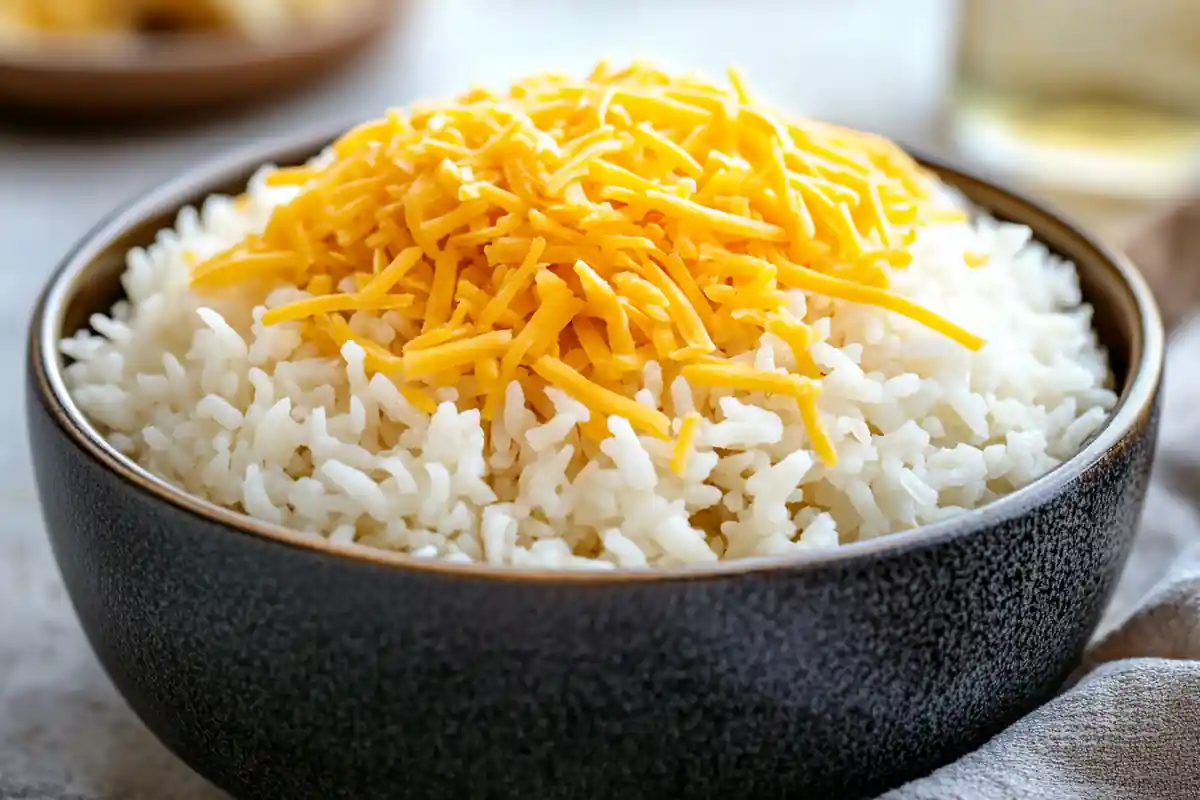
{"x": 567, "y": 232}
{"x": 975, "y": 260}
{"x": 683, "y": 442}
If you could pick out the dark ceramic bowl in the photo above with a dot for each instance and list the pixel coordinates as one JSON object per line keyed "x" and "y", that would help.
{"x": 279, "y": 667}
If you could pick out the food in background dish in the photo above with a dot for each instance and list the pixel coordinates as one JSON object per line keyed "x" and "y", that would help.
{"x": 632, "y": 319}
{"x": 38, "y": 19}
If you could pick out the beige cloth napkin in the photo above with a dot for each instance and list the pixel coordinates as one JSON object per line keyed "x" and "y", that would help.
{"x": 1128, "y": 726}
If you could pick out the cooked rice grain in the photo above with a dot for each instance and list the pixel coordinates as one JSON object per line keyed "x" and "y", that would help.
{"x": 251, "y": 417}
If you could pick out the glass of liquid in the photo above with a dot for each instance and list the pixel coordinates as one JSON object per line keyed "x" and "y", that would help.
{"x": 1095, "y": 97}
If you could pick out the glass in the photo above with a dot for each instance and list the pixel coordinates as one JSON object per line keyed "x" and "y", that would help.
{"x": 1100, "y": 97}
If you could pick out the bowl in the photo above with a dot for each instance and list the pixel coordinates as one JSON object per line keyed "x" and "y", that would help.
{"x": 281, "y": 667}
{"x": 107, "y": 81}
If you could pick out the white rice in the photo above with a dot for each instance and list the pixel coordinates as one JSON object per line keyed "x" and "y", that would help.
{"x": 200, "y": 393}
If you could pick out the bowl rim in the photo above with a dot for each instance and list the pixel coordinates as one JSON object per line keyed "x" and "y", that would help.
{"x": 46, "y": 370}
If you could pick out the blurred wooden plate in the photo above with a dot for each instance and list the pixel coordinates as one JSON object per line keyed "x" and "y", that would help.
{"x": 170, "y": 73}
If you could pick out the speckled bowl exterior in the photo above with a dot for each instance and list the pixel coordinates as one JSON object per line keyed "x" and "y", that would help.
{"x": 282, "y": 668}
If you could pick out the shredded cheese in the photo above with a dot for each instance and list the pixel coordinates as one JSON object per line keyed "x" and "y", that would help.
{"x": 683, "y": 442}
{"x": 976, "y": 260}
{"x": 567, "y": 232}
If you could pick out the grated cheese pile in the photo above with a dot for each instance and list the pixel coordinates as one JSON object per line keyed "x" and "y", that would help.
{"x": 567, "y": 232}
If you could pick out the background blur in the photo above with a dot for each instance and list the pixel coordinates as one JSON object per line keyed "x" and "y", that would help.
{"x": 885, "y": 65}
{"x": 1045, "y": 89}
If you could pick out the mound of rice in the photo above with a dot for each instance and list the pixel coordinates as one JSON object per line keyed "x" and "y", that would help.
{"x": 199, "y": 391}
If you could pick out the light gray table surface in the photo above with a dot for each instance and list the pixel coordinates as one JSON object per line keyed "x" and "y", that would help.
{"x": 64, "y": 732}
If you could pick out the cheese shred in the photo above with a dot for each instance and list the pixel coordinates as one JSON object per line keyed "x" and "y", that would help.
{"x": 566, "y": 232}
{"x": 683, "y": 442}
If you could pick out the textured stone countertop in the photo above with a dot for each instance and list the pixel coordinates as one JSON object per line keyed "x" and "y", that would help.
{"x": 64, "y": 732}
